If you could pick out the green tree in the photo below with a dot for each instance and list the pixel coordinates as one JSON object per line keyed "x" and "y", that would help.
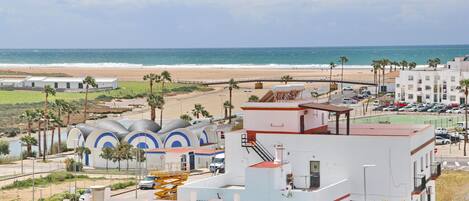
{"x": 465, "y": 86}
{"x": 39, "y": 118}
{"x": 48, "y": 91}
{"x": 126, "y": 152}
{"x": 342, "y": 60}
{"x": 69, "y": 110}
{"x": 253, "y": 98}
{"x": 286, "y": 78}
{"x": 107, "y": 154}
{"x": 404, "y": 64}
{"x": 315, "y": 95}
{"x": 59, "y": 106}
{"x": 155, "y": 101}
{"x": 331, "y": 66}
{"x": 88, "y": 81}
{"x": 55, "y": 123}
{"x": 80, "y": 151}
{"x": 4, "y": 147}
{"x": 151, "y": 78}
{"x": 29, "y": 116}
{"x": 384, "y": 63}
{"x": 412, "y": 65}
{"x": 232, "y": 84}
{"x": 139, "y": 154}
{"x": 198, "y": 110}
{"x": 165, "y": 77}
{"x": 186, "y": 117}
{"x": 376, "y": 68}
{"x": 227, "y": 106}
{"x": 29, "y": 141}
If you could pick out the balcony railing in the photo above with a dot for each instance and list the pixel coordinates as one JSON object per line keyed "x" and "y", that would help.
{"x": 419, "y": 183}
{"x": 435, "y": 169}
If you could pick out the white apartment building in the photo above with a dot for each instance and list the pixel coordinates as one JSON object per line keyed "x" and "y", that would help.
{"x": 424, "y": 85}
{"x": 315, "y": 161}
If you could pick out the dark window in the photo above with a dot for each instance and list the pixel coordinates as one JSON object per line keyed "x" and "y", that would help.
{"x": 68, "y": 85}
{"x": 56, "y": 85}
{"x": 33, "y": 84}
{"x": 80, "y": 85}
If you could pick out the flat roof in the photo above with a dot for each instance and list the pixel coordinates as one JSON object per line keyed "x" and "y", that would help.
{"x": 199, "y": 151}
{"x": 326, "y": 107}
{"x": 385, "y": 129}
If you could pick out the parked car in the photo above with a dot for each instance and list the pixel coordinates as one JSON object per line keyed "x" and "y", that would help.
{"x": 349, "y": 101}
{"x": 379, "y": 108}
{"x": 441, "y": 130}
{"x": 218, "y": 163}
{"x": 440, "y": 140}
{"x": 86, "y": 195}
{"x": 147, "y": 183}
{"x": 376, "y": 103}
{"x": 451, "y": 138}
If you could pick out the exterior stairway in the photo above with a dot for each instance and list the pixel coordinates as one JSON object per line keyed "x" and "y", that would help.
{"x": 260, "y": 150}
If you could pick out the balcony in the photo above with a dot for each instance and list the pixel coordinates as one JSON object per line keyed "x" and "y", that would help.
{"x": 435, "y": 169}
{"x": 419, "y": 183}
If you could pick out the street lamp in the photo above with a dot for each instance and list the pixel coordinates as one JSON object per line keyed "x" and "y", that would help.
{"x": 34, "y": 161}
{"x": 364, "y": 178}
{"x": 21, "y": 155}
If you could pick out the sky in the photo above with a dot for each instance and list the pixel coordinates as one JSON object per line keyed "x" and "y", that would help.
{"x": 231, "y": 23}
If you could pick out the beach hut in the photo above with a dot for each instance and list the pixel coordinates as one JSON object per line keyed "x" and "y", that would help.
{"x": 145, "y": 124}
{"x": 78, "y": 134}
{"x": 143, "y": 139}
{"x": 96, "y": 141}
{"x": 181, "y": 137}
{"x": 113, "y": 126}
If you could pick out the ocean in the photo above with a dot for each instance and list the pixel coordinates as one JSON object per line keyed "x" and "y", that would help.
{"x": 304, "y": 57}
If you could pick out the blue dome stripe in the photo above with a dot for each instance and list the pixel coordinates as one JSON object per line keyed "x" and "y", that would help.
{"x": 180, "y": 134}
{"x": 103, "y": 135}
{"x": 145, "y": 135}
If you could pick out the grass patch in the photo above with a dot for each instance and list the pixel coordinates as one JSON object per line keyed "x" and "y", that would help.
{"x": 122, "y": 185}
{"x": 62, "y": 196}
{"x": 452, "y": 185}
{"x": 53, "y": 178}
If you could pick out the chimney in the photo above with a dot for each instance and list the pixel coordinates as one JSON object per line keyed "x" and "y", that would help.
{"x": 279, "y": 154}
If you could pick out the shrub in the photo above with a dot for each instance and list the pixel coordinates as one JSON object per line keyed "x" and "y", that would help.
{"x": 122, "y": 185}
{"x": 54, "y": 177}
{"x": 26, "y": 155}
{"x": 55, "y": 145}
{"x": 69, "y": 165}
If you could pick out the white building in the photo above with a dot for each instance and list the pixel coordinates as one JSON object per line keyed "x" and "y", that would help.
{"x": 59, "y": 83}
{"x": 314, "y": 163}
{"x": 429, "y": 85}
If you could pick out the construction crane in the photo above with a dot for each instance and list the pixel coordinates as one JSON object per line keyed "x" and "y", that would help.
{"x": 166, "y": 183}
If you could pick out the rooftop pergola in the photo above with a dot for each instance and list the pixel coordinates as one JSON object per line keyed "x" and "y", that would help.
{"x": 332, "y": 108}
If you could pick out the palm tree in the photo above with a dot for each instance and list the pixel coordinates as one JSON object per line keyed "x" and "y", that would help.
{"x": 186, "y": 117}
{"x": 29, "y": 141}
{"x": 433, "y": 63}
{"x": 331, "y": 66}
{"x": 226, "y": 106}
{"x": 88, "y": 81}
{"x": 342, "y": 60}
{"x": 286, "y": 78}
{"x": 395, "y": 64}
{"x": 39, "y": 118}
{"x": 48, "y": 90}
{"x": 412, "y": 65}
{"x": 232, "y": 84}
{"x": 59, "y": 106}
{"x": 29, "y": 116}
{"x": 376, "y": 67}
{"x": 197, "y": 111}
{"x": 165, "y": 76}
{"x": 403, "y": 64}
{"x": 465, "y": 86}
{"x": 56, "y": 123}
{"x": 315, "y": 95}
{"x": 384, "y": 63}
{"x": 155, "y": 101}
{"x": 160, "y": 105}
{"x": 253, "y": 98}
{"x": 106, "y": 154}
{"x": 151, "y": 78}
{"x": 70, "y": 109}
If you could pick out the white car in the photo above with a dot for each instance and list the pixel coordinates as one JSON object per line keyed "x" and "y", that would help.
{"x": 456, "y": 111}
{"x": 441, "y": 131}
{"x": 349, "y": 101}
{"x": 147, "y": 183}
{"x": 86, "y": 195}
{"x": 440, "y": 140}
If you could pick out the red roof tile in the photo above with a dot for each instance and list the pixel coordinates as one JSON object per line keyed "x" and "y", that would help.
{"x": 267, "y": 164}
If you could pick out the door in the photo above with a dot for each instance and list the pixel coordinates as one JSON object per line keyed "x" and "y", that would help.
{"x": 314, "y": 174}
{"x": 87, "y": 159}
{"x": 302, "y": 123}
{"x": 183, "y": 162}
{"x": 191, "y": 161}
{"x": 419, "y": 99}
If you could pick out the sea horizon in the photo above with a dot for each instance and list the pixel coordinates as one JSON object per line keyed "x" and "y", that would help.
{"x": 246, "y": 57}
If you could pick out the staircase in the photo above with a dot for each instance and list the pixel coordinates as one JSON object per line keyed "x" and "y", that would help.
{"x": 260, "y": 150}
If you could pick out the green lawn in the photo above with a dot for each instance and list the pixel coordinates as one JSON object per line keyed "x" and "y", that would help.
{"x": 127, "y": 89}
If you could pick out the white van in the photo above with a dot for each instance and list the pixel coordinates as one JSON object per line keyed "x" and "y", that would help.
{"x": 218, "y": 163}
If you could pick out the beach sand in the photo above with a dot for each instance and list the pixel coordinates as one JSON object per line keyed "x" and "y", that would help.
{"x": 212, "y": 100}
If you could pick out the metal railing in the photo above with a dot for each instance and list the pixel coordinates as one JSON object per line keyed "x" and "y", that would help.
{"x": 257, "y": 147}
{"x": 419, "y": 183}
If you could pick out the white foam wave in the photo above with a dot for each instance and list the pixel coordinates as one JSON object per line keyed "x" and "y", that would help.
{"x": 180, "y": 66}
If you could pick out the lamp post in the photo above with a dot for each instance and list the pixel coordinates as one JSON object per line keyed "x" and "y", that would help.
{"x": 21, "y": 155}
{"x": 364, "y": 178}
{"x": 34, "y": 161}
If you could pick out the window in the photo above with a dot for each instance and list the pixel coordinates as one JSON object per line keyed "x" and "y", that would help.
{"x": 452, "y": 88}
{"x": 410, "y": 78}
{"x": 427, "y": 77}
{"x": 410, "y": 87}
{"x": 33, "y": 84}
{"x": 419, "y": 88}
{"x": 56, "y": 85}
{"x": 444, "y": 96}
{"x": 68, "y": 85}
{"x": 410, "y": 96}
{"x": 80, "y": 85}
{"x": 452, "y": 98}
{"x": 427, "y": 96}
{"x": 426, "y": 160}
{"x": 453, "y": 79}
{"x": 421, "y": 163}
{"x": 397, "y": 85}
{"x": 427, "y": 87}
{"x": 420, "y": 81}
{"x": 398, "y": 95}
